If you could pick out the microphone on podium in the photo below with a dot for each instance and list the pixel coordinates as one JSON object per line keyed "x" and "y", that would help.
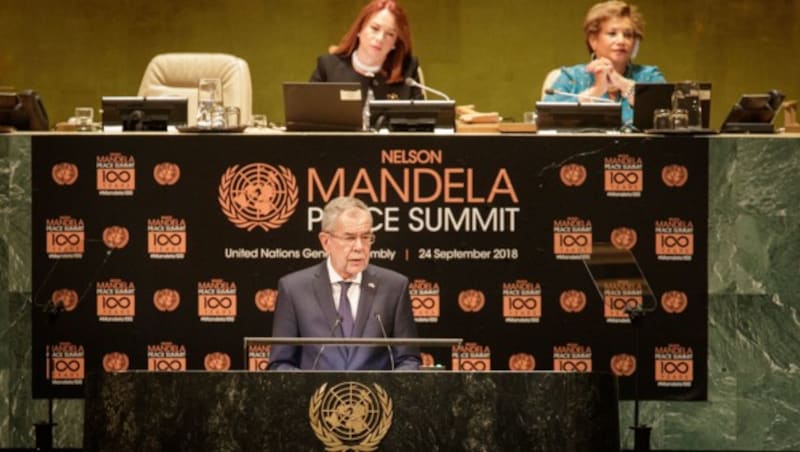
{"x": 383, "y": 331}
{"x": 55, "y": 307}
{"x": 634, "y": 311}
{"x": 411, "y": 82}
{"x": 578, "y": 97}
{"x": 336, "y": 324}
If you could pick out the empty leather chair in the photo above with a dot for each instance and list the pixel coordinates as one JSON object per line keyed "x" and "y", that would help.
{"x": 177, "y": 74}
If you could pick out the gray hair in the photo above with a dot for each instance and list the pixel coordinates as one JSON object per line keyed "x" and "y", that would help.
{"x": 337, "y": 206}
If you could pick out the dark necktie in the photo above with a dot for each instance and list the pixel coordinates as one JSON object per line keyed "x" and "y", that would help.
{"x": 345, "y": 311}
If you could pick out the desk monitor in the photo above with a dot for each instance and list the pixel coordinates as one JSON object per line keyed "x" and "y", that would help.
{"x": 314, "y": 106}
{"x": 23, "y": 111}
{"x": 413, "y": 115}
{"x": 136, "y": 113}
{"x": 578, "y": 117}
{"x": 651, "y": 96}
{"x": 753, "y": 113}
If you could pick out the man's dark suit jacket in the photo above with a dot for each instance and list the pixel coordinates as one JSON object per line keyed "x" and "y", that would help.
{"x": 305, "y": 308}
{"x": 338, "y": 68}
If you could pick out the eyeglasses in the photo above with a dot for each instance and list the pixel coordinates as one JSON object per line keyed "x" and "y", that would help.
{"x": 350, "y": 239}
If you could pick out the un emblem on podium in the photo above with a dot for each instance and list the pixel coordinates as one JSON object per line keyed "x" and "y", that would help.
{"x": 350, "y": 416}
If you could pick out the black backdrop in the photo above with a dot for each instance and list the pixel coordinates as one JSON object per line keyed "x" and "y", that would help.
{"x": 533, "y": 183}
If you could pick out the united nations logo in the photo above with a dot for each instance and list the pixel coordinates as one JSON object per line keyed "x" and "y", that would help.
{"x": 623, "y": 238}
{"x": 65, "y": 298}
{"x": 623, "y": 365}
{"x": 573, "y": 175}
{"x": 674, "y": 301}
{"x": 258, "y": 195}
{"x": 166, "y": 173}
{"x": 166, "y": 300}
{"x": 266, "y": 299}
{"x": 115, "y": 362}
{"x": 350, "y": 416}
{"x": 471, "y": 300}
{"x": 116, "y": 237}
{"x": 64, "y": 173}
{"x": 674, "y": 175}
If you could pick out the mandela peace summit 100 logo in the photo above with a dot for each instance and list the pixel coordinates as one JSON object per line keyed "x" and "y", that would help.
{"x": 258, "y": 195}
{"x": 116, "y": 300}
{"x": 471, "y": 357}
{"x": 67, "y": 361}
{"x": 116, "y": 174}
{"x": 257, "y": 357}
{"x": 424, "y": 300}
{"x": 572, "y": 357}
{"x": 674, "y": 366}
{"x": 166, "y": 357}
{"x": 522, "y": 301}
{"x": 350, "y": 416}
{"x": 65, "y": 237}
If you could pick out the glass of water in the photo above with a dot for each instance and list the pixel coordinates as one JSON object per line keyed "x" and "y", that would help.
{"x": 260, "y": 121}
{"x": 686, "y": 96}
{"x": 661, "y": 119}
{"x": 679, "y": 119}
{"x": 209, "y": 97}
{"x": 84, "y": 118}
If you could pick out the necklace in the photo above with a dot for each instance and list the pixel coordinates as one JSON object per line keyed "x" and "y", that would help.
{"x": 366, "y": 69}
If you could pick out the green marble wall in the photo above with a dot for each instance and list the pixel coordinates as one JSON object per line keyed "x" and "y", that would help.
{"x": 493, "y": 54}
{"x": 18, "y": 410}
{"x": 754, "y": 324}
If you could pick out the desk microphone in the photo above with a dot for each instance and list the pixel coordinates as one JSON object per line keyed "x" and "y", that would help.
{"x": 383, "y": 331}
{"x": 411, "y": 82}
{"x": 551, "y": 91}
{"x": 322, "y": 348}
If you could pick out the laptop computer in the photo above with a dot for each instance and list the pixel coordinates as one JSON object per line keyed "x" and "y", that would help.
{"x": 312, "y": 106}
{"x": 652, "y": 96}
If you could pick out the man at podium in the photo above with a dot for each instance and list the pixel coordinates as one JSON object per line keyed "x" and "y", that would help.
{"x": 344, "y": 296}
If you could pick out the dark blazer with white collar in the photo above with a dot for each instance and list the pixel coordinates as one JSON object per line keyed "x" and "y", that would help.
{"x": 305, "y": 308}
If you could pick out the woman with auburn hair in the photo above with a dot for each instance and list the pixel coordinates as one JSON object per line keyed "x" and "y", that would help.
{"x": 613, "y": 31}
{"x": 376, "y": 52}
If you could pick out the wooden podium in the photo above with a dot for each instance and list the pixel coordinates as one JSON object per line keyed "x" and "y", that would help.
{"x": 390, "y": 411}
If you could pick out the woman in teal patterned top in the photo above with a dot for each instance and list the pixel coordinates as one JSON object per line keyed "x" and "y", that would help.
{"x": 613, "y": 31}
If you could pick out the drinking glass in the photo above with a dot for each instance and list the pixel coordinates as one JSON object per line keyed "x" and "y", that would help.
{"x": 84, "y": 118}
{"x": 260, "y": 121}
{"x": 218, "y": 117}
{"x": 679, "y": 118}
{"x": 661, "y": 120}
{"x": 686, "y": 96}
{"x": 529, "y": 117}
{"x": 232, "y": 116}
{"x": 209, "y": 96}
